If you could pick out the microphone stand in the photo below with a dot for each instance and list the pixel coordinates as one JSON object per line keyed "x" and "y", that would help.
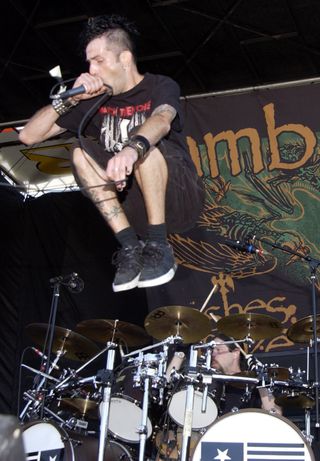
{"x": 52, "y": 322}
{"x": 313, "y": 265}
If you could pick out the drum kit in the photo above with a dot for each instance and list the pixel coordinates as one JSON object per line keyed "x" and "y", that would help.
{"x": 162, "y": 401}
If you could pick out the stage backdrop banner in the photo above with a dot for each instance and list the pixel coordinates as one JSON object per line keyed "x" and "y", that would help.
{"x": 258, "y": 155}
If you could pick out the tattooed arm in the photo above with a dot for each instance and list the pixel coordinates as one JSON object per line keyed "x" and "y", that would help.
{"x": 158, "y": 124}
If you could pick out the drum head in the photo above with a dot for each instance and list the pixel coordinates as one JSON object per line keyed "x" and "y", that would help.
{"x": 45, "y": 440}
{"x": 199, "y": 419}
{"x": 125, "y": 420}
{"x": 252, "y": 435}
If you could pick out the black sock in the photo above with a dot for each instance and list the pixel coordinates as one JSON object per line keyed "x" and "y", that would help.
{"x": 157, "y": 232}
{"x": 127, "y": 237}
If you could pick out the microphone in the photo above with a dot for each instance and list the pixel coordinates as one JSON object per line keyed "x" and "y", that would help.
{"x": 42, "y": 355}
{"x": 72, "y": 92}
{"x": 245, "y": 247}
{"x": 79, "y": 90}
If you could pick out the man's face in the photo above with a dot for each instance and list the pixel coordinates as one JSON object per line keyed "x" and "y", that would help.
{"x": 104, "y": 61}
{"x": 222, "y": 358}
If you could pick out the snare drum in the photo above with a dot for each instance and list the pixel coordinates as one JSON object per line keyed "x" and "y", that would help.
{"x": 252, "y": 435}
{"x": 126, "y": 408}
{"x": 46, "y": 440}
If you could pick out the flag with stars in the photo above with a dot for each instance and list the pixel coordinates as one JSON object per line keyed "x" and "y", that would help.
{"x": 236, "y": 451}
{"x": 47, "y": 455}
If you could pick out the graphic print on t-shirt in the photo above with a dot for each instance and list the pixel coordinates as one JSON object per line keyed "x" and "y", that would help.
{"x": 118, "y": 122}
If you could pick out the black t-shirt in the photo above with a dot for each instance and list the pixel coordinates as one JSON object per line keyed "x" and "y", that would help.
{"x": 120, "y": 114}
{"x": 233, "y": 397}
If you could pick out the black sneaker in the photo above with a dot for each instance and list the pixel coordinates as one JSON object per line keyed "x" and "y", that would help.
{"x": 158, "y": 264}
{"x": 129, "y": 264}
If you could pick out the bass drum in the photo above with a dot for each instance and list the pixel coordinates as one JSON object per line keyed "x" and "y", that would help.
{"x": 253, "y": 435}
{"x": 46, "y": 440}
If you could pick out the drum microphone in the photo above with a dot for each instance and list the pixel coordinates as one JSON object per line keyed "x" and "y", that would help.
{"x": 245, "y": 247}
{"x": 175, "y": 364}
{"x": 42, "y": 355}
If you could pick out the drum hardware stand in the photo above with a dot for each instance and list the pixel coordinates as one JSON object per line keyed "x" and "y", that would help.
{"x": 313, "y": 265}
{"x": 46, "y": 409}
{"x": 143, "y": 373}
{"x": 45, "y": 376}
{"x": 143, "y": 430}
{"x": 106, "y": 376}
{"x": 188, "y": 413}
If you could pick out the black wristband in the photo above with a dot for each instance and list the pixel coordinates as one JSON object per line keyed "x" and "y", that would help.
{"x": 140, "y": 144}
{"x": 142, "y": 139}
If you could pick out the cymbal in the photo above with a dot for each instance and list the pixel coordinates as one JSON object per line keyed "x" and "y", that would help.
{"x": 187, "y": 322}
{"x": 104, "y": 330}
{"x": 84, "y": 407}
{"x": 302, "y": 401}
{"x": 75, "y": 346}
{"x": 257, "y": 326}
{"x": 302, "y": 330}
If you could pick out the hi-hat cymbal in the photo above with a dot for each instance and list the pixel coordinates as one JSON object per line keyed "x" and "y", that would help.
{"x": 84, "y": 407}
{"x": 302, "y": 401}
{"x": 257, "y": 326}
{"x": 104, "y": 330}
{"x": 187, "y": 322}
{"x": 302, "y": 330}
{"x": 75, "y": 346}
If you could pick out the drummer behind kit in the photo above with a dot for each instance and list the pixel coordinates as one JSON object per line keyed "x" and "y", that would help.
{"x": 162, "y": 402}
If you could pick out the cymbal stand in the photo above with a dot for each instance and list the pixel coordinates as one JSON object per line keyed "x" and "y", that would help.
{"x": 175, "y": 339}
{"x": 188, "y": 413}
{"x": 64, "y": 383}
{"x": 106, "y": 381}
{"x": 313, "y": 265}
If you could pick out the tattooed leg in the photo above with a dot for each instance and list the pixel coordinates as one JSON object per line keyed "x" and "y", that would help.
{"x": 91, "y": 176}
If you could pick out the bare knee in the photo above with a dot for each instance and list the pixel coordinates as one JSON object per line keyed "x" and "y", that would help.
{"x": 154, "y": 164}
{"x": 78, "y": 159}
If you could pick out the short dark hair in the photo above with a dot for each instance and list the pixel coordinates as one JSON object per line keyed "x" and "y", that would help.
{"x": 224, "y": 337}
{"x": 118, "y": 29}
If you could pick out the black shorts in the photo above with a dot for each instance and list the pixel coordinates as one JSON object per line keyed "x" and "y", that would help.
{"x": 184, "y": 195}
